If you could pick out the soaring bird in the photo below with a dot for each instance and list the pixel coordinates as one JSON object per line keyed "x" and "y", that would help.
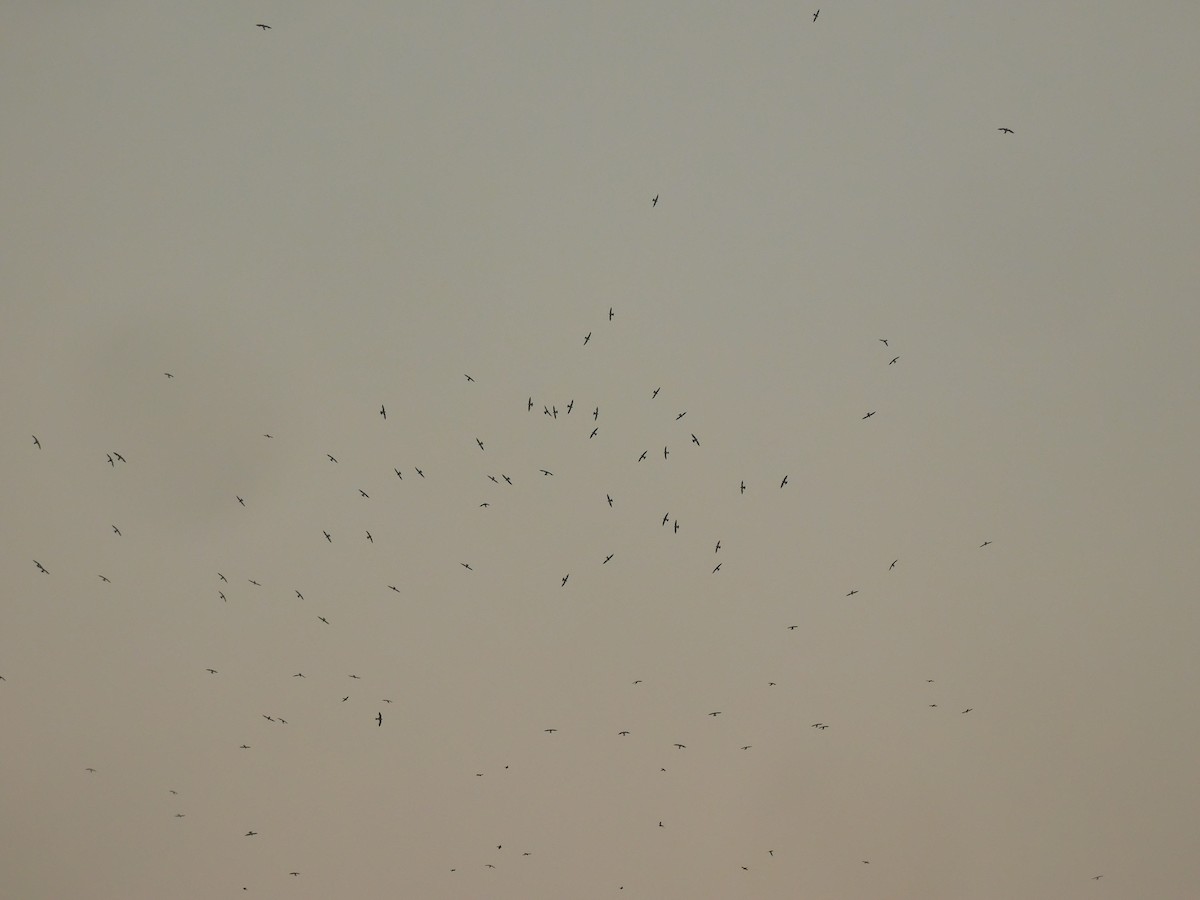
{"x": 743, "y": 488}
{"x": 244, "y": 747}
{"x": 383, "y": 411}
{"x": 623, "y": 733}
{"x": 299, "y": 596}
{"x": 211, "y": 671}
{"x": 240, "y": 500}
{"x": 610, "y": 313}
{"x": 714, "y": 713}
{"x": 747, "y": 747}
{"x": 364, "y": 493}
{"x": 263, "y": 27}
{"x": 468, "y": 377}
{"x": 595, "y": 414}
{"x": 485, "y": 505}
{"x": 571, "y": 405}
{"x": 817, "y": 13}
{"x": 221, "y": 594}
{"x": 883, "y": 341}
{"x": 298, "y": 675}
{"x": 397, "y": 471}
{"x": 250, "y": 834}
{"x": 550, "y": 730}
{"x": 418, "y": 471}
{"x": 893, "y": 565}
{"x": 665, "y": 453}
{"x": 681, "y": 415}
{"x": 253, "y": 582}
{"x": 104, "y": 578}
{"x": 868, "y": 415}
{"x": 394, "y": 588}
{"x": 666, "y": 518}
{"x": 695, "y": 440}
{"x": 717, "y": 568}
{"x": 93, "y": 771}
{"x": 984, "y": 544}
{"x": 327, "y": 537}
{"x": 654, "y": 202}
{"x": 41, "y": 568}
{"x": 467, "y": 566}
{"x": 968, "y": 709}
{"x": 530, "y": 407}
{"x": 681, "y": 746}
{"x": 609, "y": 498}
{"x": 222, "y": 577}
{"x": 852, "y": 593}
{"x": 1006, "y": 130}
{"x": 782, "y": 483}
{"x": 479, "y": 442}
{"x": 607, "y": 558}
{"x": 793, "y": 627}
{"x": 643, "y": 456}
{"x": 593, "y": 434}
{"x": 506, "y": 478}
{"x": 546, "y": 472}
{"x": 895, "y": 359}
{"x": 168, "y": 374}
{"x": 655, "y": 394}
{"x": 116, "y": 531}
{"x": 36, "y": 442}
{"x": 331, "y": 459}
{"x": 379, "y": 719}
{"x": 369, "y": 538}
{"x": 587, "y": 338}
{"x": 323, "y": 619}
{"x": 110, "y": 460}
{"x": 564, "y": 580}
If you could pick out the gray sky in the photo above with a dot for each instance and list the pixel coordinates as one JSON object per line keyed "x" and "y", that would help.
{"x": 363, "y": 205}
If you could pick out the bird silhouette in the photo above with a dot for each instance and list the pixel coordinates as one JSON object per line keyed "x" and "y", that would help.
{"x": 369, "y": 538}
{"x": 695, "y": 440}
{"x": 546, "y": 472}
{"x": 608, "y": 497}
{"x": 564, "y": 579}
{"x": 550, "y": 730}
{"x": 468, "y": 377}
{"x": 211, "y": 671}
{"x": 104, "y": 578}
{"x": 1006, "y": 130}
{"x": 743, "y": 487}
{"x": 593, "y": 434}
{"x": 299, "y": 595}
{"x": 479, "y": 442}
{"x": 607, "y": 558}
{"x": 883, "y": 341}
{"x": 717, "y": 568}
{"x": 817, "y": 13}
{"x": 610, "y": 313}
{"x": 383, "y": 411}
{"x": 331, "y": 459}
{"x": 263, "y": 27}
{"x": 623, "y": 733}
{"x": 852, "y": 593}
{"x": 984, "y": 544}
{"x": 587, "y": 338}
{"x": 41, "y": 568}
{"x": 241, "y": 501}
{"x": 868, "y": 415}
{"x": 681, "y": 415}
{"x": 782, "y": 483}
{"x": 364, "y": 493}
{"x": 893, "y": 565}
{"x": 571, "y": 405}
{"x": 116, "y": 531}
{"x": 36, "y": 442}
{"x": 110, "y": 460}
{"x": 323, "y": 619}
{"x": 379, "y": 719}
{"x": 168, "y": 374}
{"x": 222, "y": 577}
{"x": 467, "y": 566}
{"x": 643, "y": 456}
{"x": 506, "y": 478}
{"x": 327, "y": 537}
{"x": 680, "y": 746}
{"x": 250, "y": 834}
{"x": 655, "y": 394}
{"x": 895, "y": 359}
{"x": 654, "y": 202}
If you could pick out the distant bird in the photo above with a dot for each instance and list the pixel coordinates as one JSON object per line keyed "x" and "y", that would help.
{"x": 36, "y": 442}
{"x": 680, "y": 746}
{"x": 868, "y": 415}
{"x": 253, "y": 582}
{"x": 506, "y": 478}
{"x": 397, "y": 471}
{"x": 104, "y": 578}
{"x": 655, "y": 394}
{"x": 1006, "y": 130}
{"x": 681, "y": 415}
{"x": 564, "y": 580}
{"x": 222, "y": 577}
{"x": 968, "y": 709}
{"x": 355, "y": 676}
{"x": 240, "y": 500}
{"x": 571, "y": 405}
{"x": 610, "y": 313}
{"x": 244, "y": 747}
{"x": 418, "y": 471}
{"x": 379, "y": 719}
{"x": 608, "y": 497}
{"x": 743, "y": 488}
{"x": 386, "y": 700}
{"x": 666, "y": 518}
{"x": 293, "y": 873}
{"x": 595, "y": 414}
{"x": 485, "y": 505}
{"x": 263, "y": 27}
{"x": 110, "y": 460}
{"x": 1097, "y": 877}
{"x": 607, "y": 558}
{"x": 643, "y": 456}
{"x": 550, "y": 730}
{"x": 695, "y": 440}
{"x": 593, "y": 434}
{"x": 369, "y": 538}
{"x": 782, "y": 483}
{"x": 394, "y": 588}
{"x": 623, "y": 733}
{"x": 479, "y": 442}
{"x": 268, "y": 718}
{"x": 383, "y": 411}
{"x": 323, "y": 619}
{"x": 883, "y": 341}
{"x": 467, "y": 566}
{"x": 211, "y": 671}
{"x": 93, "y": 771}
{"x": 298, "y": 675}
{"x": 41, "y": 568}
{"x": 817, "y": 13}
{"x": 665, "y": 454}
{"x": 327, "y": 537}
{"x": 250, "y": 834}
{"x": 221, "y": 594}
{"x": 893, "y": 565}
{"x": 364, "y": 493}
{"x": 530, "y": 407}
{"x": 179, "y": 815}
{"x": 816, "y": 725}
{"x": 331, "y": 459}
{"x": 714, "y": 571}
{"x": 553, "y": 411}
{"x": 468, "y": 377}
{"x": 714, "y": 713}
{"x": 299, "y": 595}
{"x": 793, "y": 627}
{"x": 347, "y": 697}
{"x": 717, "y": 549}
{"x": 546, "y": 472}
{"x": 654, "y": 202}
{"x": 984, "y": 544}
{"x": 587, "y": 338}
{"x": 852, "y": 593}
{"x": 168, "y": 374}
{"x": 116, "y": 531}
{"x": 639, "y": 681}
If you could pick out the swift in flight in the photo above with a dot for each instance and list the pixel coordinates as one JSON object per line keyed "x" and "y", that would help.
{"x": 36, "y": 442}
{"x": 1006, "y": 130}
{"x": 41, "y": 568}
{"x": 264, "y": 28}
{"x": 654, "y": 202}
{"x": 383, "y": 412}
{"x": 868, "y": 415}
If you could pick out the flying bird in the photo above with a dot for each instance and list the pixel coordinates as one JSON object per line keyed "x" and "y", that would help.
{"x": 168, "y": 374}
{"x": 623, "y": 733}
{"x": 564, "y": 580}
{"x": 793, "y": 627}
{"x": 298, "y": 675}
{"x": 36, "y": 442}
{"x": 607, "y": 558}
{"x": 369, "y": 538}
{"x": 782, "y": 483}
{"x": 41, "y": 568}
{"x": 655, "y": 394}
{"x": 714, "y": 713}
{"x": 681, "y": 746}
{"x": 221, "y": 594}
{"x": 695, "y": 440}
{"x": 550, "y": 730}
{"x": 383, "y": 411}
{"x": 240, "y": 500}
{"x": 1006, "y": 130}
{"x": 110, "y": 460}
{"x": 546, "y": 472}
{"x": 852, "y": 593}
{"x": 253, "y": 582}
{"x": 817, "y": 13}
{"x": 327, "y": 537}
{"x": 397, "y": 471}
{"x": 893, "y": 565}
{"x": 665, "y": 454}
{"x": 587, "y": 338}
{"x": 244, "y": 747}
{"x": 331, "y": 459}
{"x": 868, "y": 415}
{"x": 595, "y": 414}
{"x": 479, "y": 442}
{"x": 643, "y": 456}
{"x": 506, "y": 478}
{"x": 263, "y": 27}
{"x": 104, "y": 578}
{"x": 895, "y": 359}
{"x": 323, "y": 619}
{"x": 116, "y": 531}
{"x": 90, "y": 770}
{"x": 467, "y": 566}
{"x": 609, "y": 498}
{"x": 968, "y": 709}
{"x": 418, "y": 471}
{"x": 250, "y": 834}
{"x": 222, "y": 577}
{"x": 571, "y": 405}
{"x": 299, "y": 595}
{"x": 468, "y": 377}
{"x": 654, "y": 202}
{"x": 666, "y": 518}
{"x": 394, "y": 588}
{"x": 379, "y": 719}
{"x": 530, "y": 407}
{"x": 883, "y": 341}
{"x": 984, "y": 544}
{"x": 743, "y": 489}
{"x": 714, "y": 571}
{"x": 364, "y": 493}
{"x": 681, "y": 415}
{"x": 610, "y": 313}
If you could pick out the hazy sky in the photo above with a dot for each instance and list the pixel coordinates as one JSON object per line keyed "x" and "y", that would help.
{"x": 366, "y": 203}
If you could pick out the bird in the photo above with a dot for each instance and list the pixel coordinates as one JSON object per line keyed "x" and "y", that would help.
{"x": 327, "y": 537}
{"x": 211, "y": 671}
{"x": 468, "y": 377}
{"x": 743, "y": 488}
{"x": 506, "y": 478}
{"x": 681, "y": 415}
{"x": 868, "y": 415}
{"x": 244, "y": 747}
{"x": 1097, "y": 877}
{"x": 816, "y": 725}
{"x": 817, "y": 13}
{"x": 967, "y": 710}
{"x": 607, "y": 558}
{"x": 116, "y": 531}
{"x": 467, "y": 566}
{"x": 681, "y": 746}
{"x": 654, "y": 202}
{"x": 331, "y": 459}
{"x": 571, "y": 405}
{"x": 298, "y": 675}
{"x": 293, "y": 873}
{"x": 485, "y": 505}
{"x": 546, "y": 472}
{"x": 41, "y": 568}
{"x": 666, "y": 518}
{"x": 379, "y": 719}
{"x": 665, "y": 454}
{"x": 268, "y": 718}
{"x": 299, "y": 595}
{"x": 717, "y": 549}
{"x": 608, "y": 497}
{"x": 530, "y": 407}
{"x": 793, "y": 627}
{"x": 418, "y": 471}
{"x": 347, "y": 697}
{"x": 263, "y": 27}
{"x": 639, "y": 681}
{"x": 564, "y": 580}
{"x": 90, "y": 770}
{"x": 221, "y": 594}
{"x": 1006, "y": 130}
{"x": 110, "y": 460}
{"x": 364, "y": 493}
{"x": 394, "y": 588}
{"x": 593, "y": 434}
{"x": 883, "y": 341}
{"x": 595, "y": 414}
{"x": 695, "y": 440}
{"x": 610, "y": 313}
{"x": 383, "y": 411}
{"x": 397, "y": 471}
{"x": 479, "y": 442}
{"x": 852, "y": 593}
{"x": 893, "y": 565}
{"x": 714, "y": 571}
{"x": 715, "y": 713}
{"x": 369, "y": 538}
{"x": 168, "y": 374}
{"x": 355, "y": 676}
{"x": 222, "y": 577}
{"x": 240, "y": 500}
{"x": 104, "y": 578}
{"x": 550, "y": 730}
{"x": 587, "y": 338}
{"x": 984, "y": 544}
{"x": 655, "y": 394}
{"x": 250, "y": 834}
{"x": 643, "y": 456}
{"x": 36, "y": 442}
{"x": 895, "y": 359}
{"x": 782, "y": 483}
{"x": 623, "y": 733}
{"x": 253, "y": 582}
{"x": 179, "y": 815}
{"x": 323, "y": 619}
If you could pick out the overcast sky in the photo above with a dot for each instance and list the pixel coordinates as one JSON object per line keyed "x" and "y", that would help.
{"x": 365, "y": 204}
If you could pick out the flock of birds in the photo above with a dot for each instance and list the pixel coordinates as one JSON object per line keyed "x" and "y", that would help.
{"x": 550, "y": 409}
